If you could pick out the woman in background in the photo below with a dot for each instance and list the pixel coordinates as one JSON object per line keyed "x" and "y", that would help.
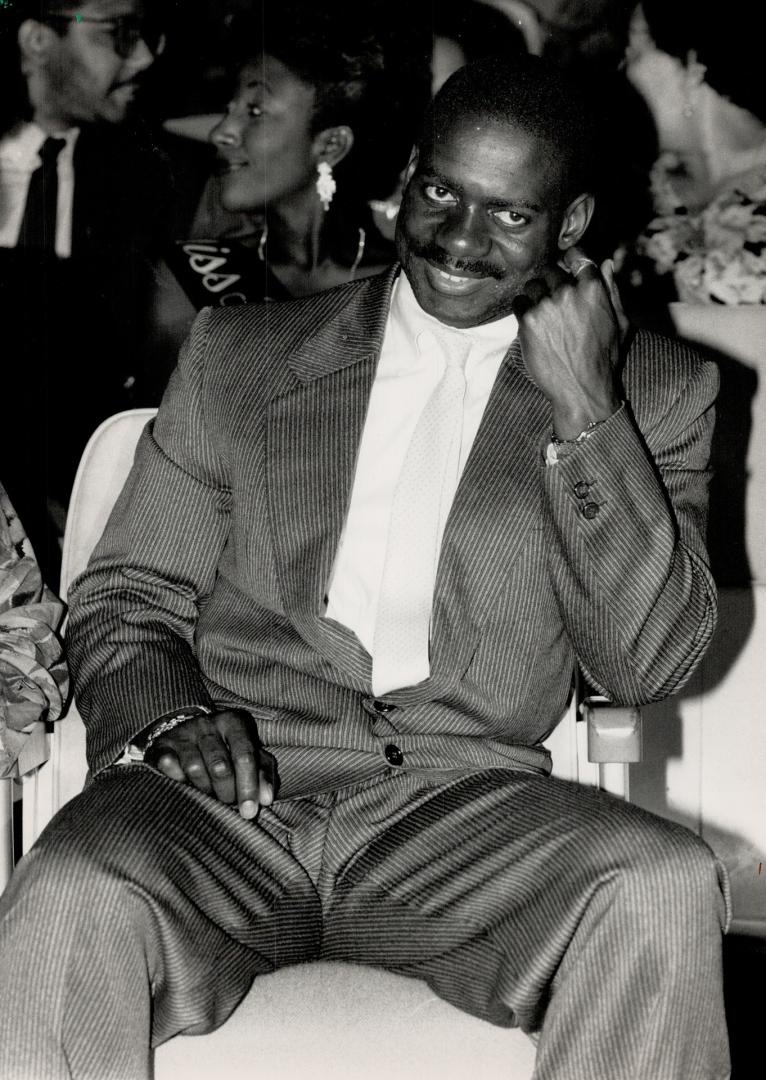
{"x": 301, "y": 150}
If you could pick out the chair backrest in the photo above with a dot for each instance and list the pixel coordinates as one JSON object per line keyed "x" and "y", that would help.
{"x": 104, "y": 467}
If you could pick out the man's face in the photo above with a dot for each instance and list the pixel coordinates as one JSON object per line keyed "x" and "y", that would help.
{"x": 86, "y": 80}
{"x": 481, "y": 215}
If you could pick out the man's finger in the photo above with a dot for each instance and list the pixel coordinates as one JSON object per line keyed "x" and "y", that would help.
{"x": 241, "y": 735}
{"x": 554, "y": 277}
{"x": 245, "y": 758}
{"x": 579, "y": 265}
{"x": 166, "y": 762}
{"x": 520, "y": 305}
{"x": 218, "y": 764}
{"x": 267, "y": 778}
{"x": 536, "y": 289}
{"x": 193, "y": 765}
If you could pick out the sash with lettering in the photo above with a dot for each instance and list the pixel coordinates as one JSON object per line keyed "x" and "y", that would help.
{"x": 221, "y": 272}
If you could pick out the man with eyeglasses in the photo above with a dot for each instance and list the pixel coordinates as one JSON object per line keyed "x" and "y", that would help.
{"x": 84, "y": 199}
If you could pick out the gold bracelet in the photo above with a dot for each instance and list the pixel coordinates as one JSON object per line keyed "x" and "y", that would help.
{"x": 584, "y": 434}
{"x": 174, "y": 721}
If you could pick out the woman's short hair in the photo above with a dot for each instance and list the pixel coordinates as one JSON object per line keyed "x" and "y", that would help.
{"x": 339, "y": 55}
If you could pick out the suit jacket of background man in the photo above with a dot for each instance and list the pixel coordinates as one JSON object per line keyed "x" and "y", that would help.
{"x": 73, "y": 329}
{"x": 209, "y": 583}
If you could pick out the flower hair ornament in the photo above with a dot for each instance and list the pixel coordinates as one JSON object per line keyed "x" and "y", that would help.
{"x": 326, "y": 186}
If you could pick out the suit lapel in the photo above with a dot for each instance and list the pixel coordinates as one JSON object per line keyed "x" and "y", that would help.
{"x": 313, "y": 436}
{"x": 497, "y": 504}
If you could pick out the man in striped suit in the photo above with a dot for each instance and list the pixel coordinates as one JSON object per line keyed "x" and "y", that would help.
{"x": 330, "y": 764}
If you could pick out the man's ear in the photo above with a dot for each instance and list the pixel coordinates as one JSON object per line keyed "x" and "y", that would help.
{"x": 575, "y": 221}
{"x": 412, "y": 164}
{"x": 333, "y": 144}
{"x": 35, "y": 42}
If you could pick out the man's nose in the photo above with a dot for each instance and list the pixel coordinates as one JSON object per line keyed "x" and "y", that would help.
{"x": 464, "y": 233}
{"x": 142, "y": 57}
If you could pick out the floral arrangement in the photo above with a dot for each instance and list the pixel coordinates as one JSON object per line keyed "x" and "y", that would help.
{"x": 716, "y": 254}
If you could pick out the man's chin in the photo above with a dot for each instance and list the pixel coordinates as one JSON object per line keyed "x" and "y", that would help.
{"x": 459, "y": 303}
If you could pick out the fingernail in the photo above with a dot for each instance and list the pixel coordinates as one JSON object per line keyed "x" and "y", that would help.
{"x": 248, "y": 809}
{"x": 267, "y": 795}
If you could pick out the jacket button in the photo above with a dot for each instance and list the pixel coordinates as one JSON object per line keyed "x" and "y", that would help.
{"x": 590, "y": 510}
{"x": 582, "y": 489}
{"x": 394, "y": 756}
{"x": 382, "y": 706}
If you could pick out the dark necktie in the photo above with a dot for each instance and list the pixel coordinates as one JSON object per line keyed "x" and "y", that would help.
{"x": 38, "y": 226}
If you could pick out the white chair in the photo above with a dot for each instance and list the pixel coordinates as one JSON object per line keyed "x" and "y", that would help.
{"x": 19, "y": 784}
{"x": 323, "y": 1019}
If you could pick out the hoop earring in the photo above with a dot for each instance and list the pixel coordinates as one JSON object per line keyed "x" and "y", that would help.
{"x": 325, "y": 184}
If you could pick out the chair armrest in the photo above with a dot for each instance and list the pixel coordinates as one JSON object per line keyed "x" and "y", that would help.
{"x": 608, "y": 739}
{"x": 614, "y": 732}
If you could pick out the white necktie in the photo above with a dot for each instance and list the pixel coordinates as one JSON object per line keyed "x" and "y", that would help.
{"x": 422, "y": 496}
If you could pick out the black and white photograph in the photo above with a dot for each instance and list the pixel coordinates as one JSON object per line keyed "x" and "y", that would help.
{"x": 382, "y": 540}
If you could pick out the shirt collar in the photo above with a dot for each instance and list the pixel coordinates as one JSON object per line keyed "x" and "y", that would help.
{"x": 414, "y": 320}
{"x": 20, "y": 147}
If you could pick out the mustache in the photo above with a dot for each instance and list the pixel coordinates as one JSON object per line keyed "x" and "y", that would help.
{"x": 477, "y": 267}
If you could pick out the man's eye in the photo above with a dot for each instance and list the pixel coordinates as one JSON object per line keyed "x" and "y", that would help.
{"x": 254, "y": 110}
{"x": 509, "y": 218}
{"x": 440, "y": 195}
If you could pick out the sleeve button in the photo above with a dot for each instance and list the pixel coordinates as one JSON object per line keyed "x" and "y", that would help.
{"x": 582, "y": 489}
{"x": 394, "y": 756}
{"x": 590, "y": 510}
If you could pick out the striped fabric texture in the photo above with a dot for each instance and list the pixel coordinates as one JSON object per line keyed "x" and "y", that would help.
{"x": 147, "y": 906}
{"x": 209, "y": 583}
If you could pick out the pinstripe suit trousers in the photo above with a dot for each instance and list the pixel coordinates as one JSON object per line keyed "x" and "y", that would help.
{"x": 147, "y": 908}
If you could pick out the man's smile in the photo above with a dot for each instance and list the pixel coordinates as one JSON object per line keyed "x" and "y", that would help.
{"x": 452, "y": 283}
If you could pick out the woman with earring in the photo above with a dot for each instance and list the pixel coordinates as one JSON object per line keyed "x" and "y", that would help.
{"x": 298, "y": 145}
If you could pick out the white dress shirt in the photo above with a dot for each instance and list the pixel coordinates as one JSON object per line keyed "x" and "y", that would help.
{"x": 411, "y": 363}
{"x": 19, "y": 157}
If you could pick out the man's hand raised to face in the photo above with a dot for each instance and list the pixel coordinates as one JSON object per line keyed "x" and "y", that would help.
{"x": 571, "y": 328}
{"x": 221, "y": 755}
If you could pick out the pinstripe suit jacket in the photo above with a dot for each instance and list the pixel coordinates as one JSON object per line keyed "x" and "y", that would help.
{"x": 208, "y": 585}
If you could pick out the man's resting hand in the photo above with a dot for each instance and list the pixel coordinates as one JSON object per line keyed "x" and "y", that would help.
{"x": 221, "y": 755}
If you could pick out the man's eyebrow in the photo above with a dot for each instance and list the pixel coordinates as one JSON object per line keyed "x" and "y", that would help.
{"x": 440, "y": 179}
{"x": 494, "y": 204}
{"x": 514, "y": 204}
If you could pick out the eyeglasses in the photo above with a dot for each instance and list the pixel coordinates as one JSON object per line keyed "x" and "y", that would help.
{"x": 126, "y": 31}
